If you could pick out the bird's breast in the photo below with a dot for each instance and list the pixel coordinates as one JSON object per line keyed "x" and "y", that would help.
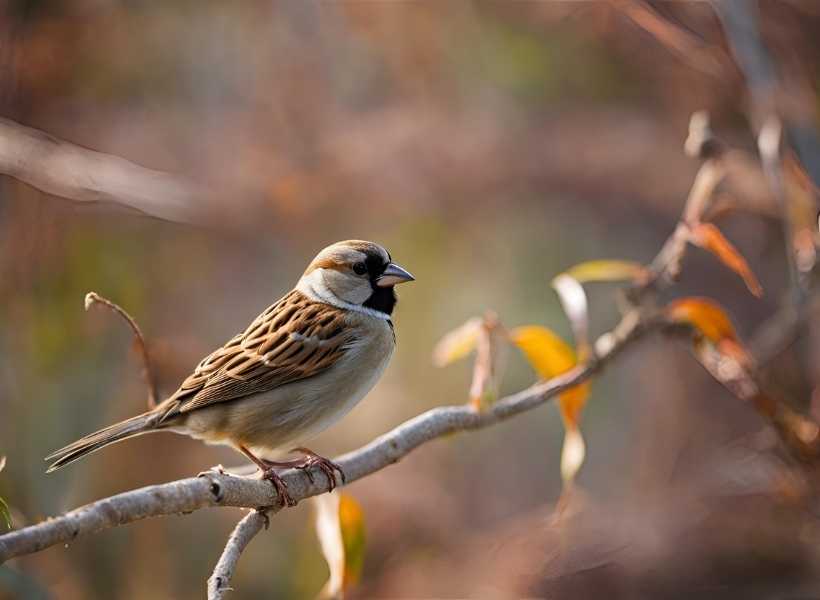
{"x": 293, "y": 413}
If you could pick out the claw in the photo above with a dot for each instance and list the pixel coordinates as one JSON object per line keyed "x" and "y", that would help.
{"x": 325, "y": 465}
{"x": 280, "y": 485}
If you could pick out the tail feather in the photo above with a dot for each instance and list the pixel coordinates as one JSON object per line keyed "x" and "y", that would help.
{"x": 144, "y": 423}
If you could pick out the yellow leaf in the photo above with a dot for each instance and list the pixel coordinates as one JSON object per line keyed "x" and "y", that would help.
{"x": 340, "y": 528}
{"x": 458, "y": 343}
{"x": 711, "y": 321}
{"x": 351, "y": 518}
{"x": 572, "y": 454}
{"x": 550, "y": 356}
{"x": 608, "y": 270}
{"x": 709, "y": 237}
{"x": 546, "y": 352}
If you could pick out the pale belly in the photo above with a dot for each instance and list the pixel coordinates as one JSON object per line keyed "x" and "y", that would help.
{"x": 274, "y": 422}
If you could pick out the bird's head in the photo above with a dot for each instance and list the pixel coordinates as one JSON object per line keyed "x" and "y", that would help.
{"x": 354, "y": 273}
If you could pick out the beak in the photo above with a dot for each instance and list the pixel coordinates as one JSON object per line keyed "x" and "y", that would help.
{"x": 393, "y": 275}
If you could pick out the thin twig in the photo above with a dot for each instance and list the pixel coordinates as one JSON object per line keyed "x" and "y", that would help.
{"x": 700, "y": 143}
{"x": 147, "y": 374}
{"x": 241, "y": 536}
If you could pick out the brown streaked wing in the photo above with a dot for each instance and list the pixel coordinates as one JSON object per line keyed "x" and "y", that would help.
{"x": 293, "y": 339}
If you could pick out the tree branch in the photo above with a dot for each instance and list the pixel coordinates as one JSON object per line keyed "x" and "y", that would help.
{"x": 64, "y": 169}
{"x": 221, "y": 489}
{"x": 240, "y": 537}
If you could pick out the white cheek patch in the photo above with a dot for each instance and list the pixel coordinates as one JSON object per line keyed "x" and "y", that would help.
{"x": 314, "y": 287}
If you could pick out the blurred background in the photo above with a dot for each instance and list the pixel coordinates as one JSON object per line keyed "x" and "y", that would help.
{"x": 489, "y": 146}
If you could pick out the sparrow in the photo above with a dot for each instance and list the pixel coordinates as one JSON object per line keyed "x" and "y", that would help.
{"x": 298, "y": 368}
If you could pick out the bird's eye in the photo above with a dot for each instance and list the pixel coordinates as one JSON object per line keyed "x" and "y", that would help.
{"x": 360, "y": 268}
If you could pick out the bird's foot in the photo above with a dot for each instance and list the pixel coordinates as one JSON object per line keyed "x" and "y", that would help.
{"x": 326, "y": 466}
{"x": 271, "y": 475}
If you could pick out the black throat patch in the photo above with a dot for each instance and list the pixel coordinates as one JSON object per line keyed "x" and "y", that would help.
{"x": 383, "y": 299}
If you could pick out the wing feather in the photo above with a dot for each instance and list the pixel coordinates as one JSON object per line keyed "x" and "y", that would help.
{"x": 293, "y": 339}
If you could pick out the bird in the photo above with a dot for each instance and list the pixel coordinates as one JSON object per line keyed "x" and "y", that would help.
{"x": 298, "y": 368}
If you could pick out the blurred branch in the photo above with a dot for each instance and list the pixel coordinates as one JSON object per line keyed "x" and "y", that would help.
{"x": 70, "y": 171}
{"x": 221, "y": 489}
{"x": 685, "y": 44}
{"x": 769, "y": 142}
{"x": 241, "y": 536}
{"x": 700, "y": 143}
{"x": 94, "y": 298}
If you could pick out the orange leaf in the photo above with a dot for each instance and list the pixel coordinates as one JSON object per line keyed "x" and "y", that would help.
{"x": 709, "y": 237}
{"x": 711, "y": 321}
{"x": 340, "y": 527}
{"x": 550, "y": 356}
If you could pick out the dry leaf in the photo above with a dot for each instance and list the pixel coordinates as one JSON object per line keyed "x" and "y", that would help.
{"x": 574, "y": 300}
{"x": 458, "y": 343}
{"x": 550, "y": 356}
{"x": 608, "y": 270}
{"x": 712, "y": 322}
{"x": 489, "y": 362}
{"x": 340, "y": 528}
{"x": 709, "y": 237}
{"x": 572, "y": 454}
{"x": 488, "y": 338}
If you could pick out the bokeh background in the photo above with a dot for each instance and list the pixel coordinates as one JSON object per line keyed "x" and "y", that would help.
{"x": 489, "y": 146}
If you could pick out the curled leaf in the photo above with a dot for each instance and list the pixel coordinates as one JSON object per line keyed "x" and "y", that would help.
{"x": 550, "y": 356}
{"x": 458, "y": 343}
{"x": 340, "y": 528}
{"x": 712, "y": 322}
{"x": 572, "y": 454}
{"x": 608, "y": 270}
{"x": 709, "y": 237}
{"x": 574, "y": 300}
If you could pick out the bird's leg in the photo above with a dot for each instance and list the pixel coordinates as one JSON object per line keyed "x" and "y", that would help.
{"x": 268, "y": 471}
{"x": 325, "y": 465}
{"x": 308, "y": 461}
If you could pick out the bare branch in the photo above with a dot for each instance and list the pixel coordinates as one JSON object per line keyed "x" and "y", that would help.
{"x": 241, "y": 536}
{"x": 700, "y": 143}
{"x": 220, "y": 489}
{"x": 147, "y": 374}
{"x": 84, "y": 175}
{"x": 683, "y": 43}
